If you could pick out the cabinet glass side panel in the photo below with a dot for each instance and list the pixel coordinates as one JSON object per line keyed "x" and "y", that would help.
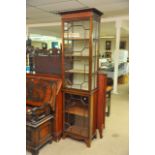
{"x": 76, "y": 73}
{"x": 94, "y": 81}
{"x": 76, "y": 114}
{"x": 95, "y": 29}
{"x": 95, "y": 52}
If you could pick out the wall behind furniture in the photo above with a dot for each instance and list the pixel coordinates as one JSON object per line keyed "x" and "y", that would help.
{"x": 113, "y": 42}
{"x": 37, "y": 44}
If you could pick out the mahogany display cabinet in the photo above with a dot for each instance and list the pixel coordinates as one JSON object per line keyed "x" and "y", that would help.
{"x": 80, "y": 51}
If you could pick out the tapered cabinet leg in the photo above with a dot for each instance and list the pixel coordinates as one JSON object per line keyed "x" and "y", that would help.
{"x": 64, "y": 136}
{"x": 35, "y": 152}
{"x": 101, "y": 133}
{"x": 50, "y": 141}
{"x": 88, "y": 142}
{"x": 95, "y": 136}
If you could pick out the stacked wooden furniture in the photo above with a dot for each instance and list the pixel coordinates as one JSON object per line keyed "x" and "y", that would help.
{"x": 44, "y": 110}
{"x": 48, "y": 64}
{"x": 44, "y": 99}
{"x": 80, "y": 50}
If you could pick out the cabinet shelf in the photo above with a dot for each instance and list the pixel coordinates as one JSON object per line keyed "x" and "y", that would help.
{"x": 77, "y": 71}
{"x": 76, "y": 39}
{"x": 79, "y": 39}
{"x": 76, "y": 55}
{"x": 77, "y": 110}
{"x": 78, "y": 86}
{"x": 78, "y": 130}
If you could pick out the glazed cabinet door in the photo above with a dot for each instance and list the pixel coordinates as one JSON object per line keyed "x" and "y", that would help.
{"x": 76, "y": 54}
{"x": 76, "y": 114}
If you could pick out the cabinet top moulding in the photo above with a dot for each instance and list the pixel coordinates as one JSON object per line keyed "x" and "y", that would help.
{"x": 80, "y": 14}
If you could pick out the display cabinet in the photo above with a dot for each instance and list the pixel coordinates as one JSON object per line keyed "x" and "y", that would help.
{"x": 80, "y": 49}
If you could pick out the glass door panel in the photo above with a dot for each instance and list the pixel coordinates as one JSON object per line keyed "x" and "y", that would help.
{"x": 76, "y": 54}
{"x": 76, "y": 114}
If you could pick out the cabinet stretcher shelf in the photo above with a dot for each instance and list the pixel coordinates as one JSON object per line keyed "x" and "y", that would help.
{"x": 83, "y": 86}
{"x": 76, "y": 55}
{"x": 77, "y": 110}
{"x": 78, "y": 130}
{"x": 77, "y": 71}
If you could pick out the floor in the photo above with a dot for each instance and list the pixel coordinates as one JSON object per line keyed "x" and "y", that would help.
{"x": 116, "y": 134}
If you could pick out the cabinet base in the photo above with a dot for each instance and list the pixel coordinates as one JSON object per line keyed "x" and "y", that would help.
{"x": 80, "y": 138}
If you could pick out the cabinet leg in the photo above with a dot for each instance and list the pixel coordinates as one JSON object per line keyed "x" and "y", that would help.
{"x": 35, "y": 152}
{"x": 108, "y": 104}
{"x": 50, "y": 141}
{"x": 95, "y": 136}
{"x": 64, "y": 136}
{"x": 88, "y": 143}
{"x": 108, "y": 113}
{"x": 101, "y": 133}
